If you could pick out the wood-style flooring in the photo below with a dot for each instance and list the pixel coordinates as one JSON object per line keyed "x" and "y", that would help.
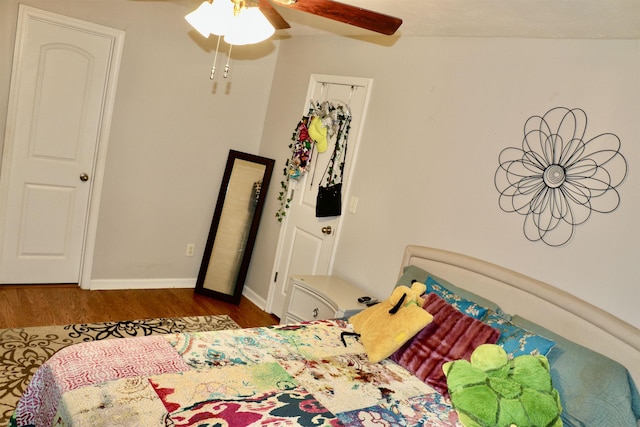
{"x": 45, "y": 305}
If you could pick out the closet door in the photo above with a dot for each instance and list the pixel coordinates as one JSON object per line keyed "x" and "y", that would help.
{"x": 63, "y": 75}
{"x": 306, "y": 244}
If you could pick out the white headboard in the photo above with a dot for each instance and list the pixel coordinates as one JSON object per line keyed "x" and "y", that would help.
{"x": 534, "y": 300}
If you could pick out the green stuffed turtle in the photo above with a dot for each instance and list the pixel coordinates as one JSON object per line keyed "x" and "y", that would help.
{"x": 493, "y": 391}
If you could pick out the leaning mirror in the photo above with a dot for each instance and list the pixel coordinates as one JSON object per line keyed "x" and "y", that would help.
{"x": 234, "y": 227}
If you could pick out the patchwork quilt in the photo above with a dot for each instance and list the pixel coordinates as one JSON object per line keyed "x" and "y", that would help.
{"x": 307, "y": 374}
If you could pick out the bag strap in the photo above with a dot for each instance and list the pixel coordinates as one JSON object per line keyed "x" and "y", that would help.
{"x": 342, "y": 135}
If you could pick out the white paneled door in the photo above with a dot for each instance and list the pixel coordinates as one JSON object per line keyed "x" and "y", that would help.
{"x": 63, "y": 81}
{"x": 307, "y": 244}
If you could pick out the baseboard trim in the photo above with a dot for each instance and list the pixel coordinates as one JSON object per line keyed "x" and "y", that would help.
{"x": 254, "y": 298}
{"x": 122, "y": 284}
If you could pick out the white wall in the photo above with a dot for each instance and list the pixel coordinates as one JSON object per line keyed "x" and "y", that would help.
{"x": 171, "y": 132}
{"x": 441, "y": 111}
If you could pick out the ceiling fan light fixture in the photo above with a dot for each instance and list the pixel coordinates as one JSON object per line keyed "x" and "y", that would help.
{"x": 248, "y": 27}
{"x": 212, "y": 17}
{"x": 199, "y": 20}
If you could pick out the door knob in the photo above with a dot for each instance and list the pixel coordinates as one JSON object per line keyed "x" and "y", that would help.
{"x": 326, "y": 230}
{"x": 84, "y": 177}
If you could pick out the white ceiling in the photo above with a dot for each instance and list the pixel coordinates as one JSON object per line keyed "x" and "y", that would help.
{"x": 607, "y": 19}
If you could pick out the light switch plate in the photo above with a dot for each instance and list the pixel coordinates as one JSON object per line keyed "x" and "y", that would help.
{"x": 353, "y": 204}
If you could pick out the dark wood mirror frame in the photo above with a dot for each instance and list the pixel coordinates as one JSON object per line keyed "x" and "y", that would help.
{"x": 238, "y": 247}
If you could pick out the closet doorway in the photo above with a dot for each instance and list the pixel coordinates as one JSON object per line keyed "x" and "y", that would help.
{"x": 62, "y": 92}
{"x": 307, "y": 244}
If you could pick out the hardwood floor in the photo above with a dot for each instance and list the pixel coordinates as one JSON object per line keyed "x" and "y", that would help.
{"x": 44, "y": 305}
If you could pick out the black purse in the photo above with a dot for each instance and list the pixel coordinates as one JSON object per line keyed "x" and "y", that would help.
{"x": 329, "y": 199}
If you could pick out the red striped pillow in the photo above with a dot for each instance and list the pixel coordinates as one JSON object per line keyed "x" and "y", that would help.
{"x": 451, "y": 335}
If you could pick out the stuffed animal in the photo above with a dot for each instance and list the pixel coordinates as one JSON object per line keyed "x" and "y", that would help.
{"x": 386, "y": 326}
{"x": 493, "y": 390}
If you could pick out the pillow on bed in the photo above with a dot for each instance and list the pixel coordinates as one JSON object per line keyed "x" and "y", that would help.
{"x": 451, "y": 335}
{"x": 515, "y": 340}
{"x": 467, "y": 307}
{"x": 411, "y": 272}
{"x": 493, "y": 390}
{"x": 384, "y": 327}
{"x": 594, "y": 390}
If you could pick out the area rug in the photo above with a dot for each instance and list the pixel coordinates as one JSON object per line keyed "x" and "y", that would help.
{"x": 24, "y": 350}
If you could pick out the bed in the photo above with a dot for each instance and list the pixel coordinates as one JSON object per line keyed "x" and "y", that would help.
{"x": 318, "y": 373}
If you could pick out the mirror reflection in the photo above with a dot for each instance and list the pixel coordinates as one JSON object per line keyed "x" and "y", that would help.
{"x": 234, "y": 226}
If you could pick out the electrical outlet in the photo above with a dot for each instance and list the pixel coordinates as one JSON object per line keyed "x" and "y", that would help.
{"x": 353, "y": 204}
{"x": 191, "y": 249}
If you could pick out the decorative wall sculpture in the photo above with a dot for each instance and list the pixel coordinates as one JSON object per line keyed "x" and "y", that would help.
{"x": 558, "y": 178}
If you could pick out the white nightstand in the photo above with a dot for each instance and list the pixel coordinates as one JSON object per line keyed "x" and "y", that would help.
{"x": 320, "y": 297}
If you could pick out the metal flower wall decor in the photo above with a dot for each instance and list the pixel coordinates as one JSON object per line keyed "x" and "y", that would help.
{"x": 558, "y": 177}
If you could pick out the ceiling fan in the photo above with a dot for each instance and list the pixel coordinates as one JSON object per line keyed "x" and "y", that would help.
{"x": 341, "y": 12}
{"x": 243, "y": 22}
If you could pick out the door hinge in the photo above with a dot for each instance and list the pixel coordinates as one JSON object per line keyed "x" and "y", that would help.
{"x": 275, "y": 277}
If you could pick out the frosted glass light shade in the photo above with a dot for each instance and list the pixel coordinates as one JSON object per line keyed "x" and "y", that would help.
{"x": 248, "y": 27}
{"x": 199, "y": 18}
{"x": 212, "y": 18}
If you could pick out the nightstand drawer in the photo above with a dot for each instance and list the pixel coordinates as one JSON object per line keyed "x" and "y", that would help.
{"x": 320, "y": 297}
{"x": 307, "y": 305}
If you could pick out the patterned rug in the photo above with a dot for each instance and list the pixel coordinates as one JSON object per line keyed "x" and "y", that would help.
{"x": 23, "y": 350}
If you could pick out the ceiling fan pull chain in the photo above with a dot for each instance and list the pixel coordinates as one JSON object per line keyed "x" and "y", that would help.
{"x": 215, "y": 58}
{"x": 226, "y": 67}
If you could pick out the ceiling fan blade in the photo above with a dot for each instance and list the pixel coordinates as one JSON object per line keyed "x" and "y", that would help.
{"x": 272, "y": 15}
{"x": 352, "y": 15}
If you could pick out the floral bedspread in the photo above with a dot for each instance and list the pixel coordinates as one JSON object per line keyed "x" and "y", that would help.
{"x": 304, "y": 374}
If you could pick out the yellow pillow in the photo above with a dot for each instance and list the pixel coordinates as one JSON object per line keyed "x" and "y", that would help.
{"x": 386, "y": 326}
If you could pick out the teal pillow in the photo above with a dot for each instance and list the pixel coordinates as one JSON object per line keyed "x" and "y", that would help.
{"x": 463, "y": 305}
{"x": 594, "y": 390}
{"x": 411, "y": 273}
{"x": 516, "y": 340}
